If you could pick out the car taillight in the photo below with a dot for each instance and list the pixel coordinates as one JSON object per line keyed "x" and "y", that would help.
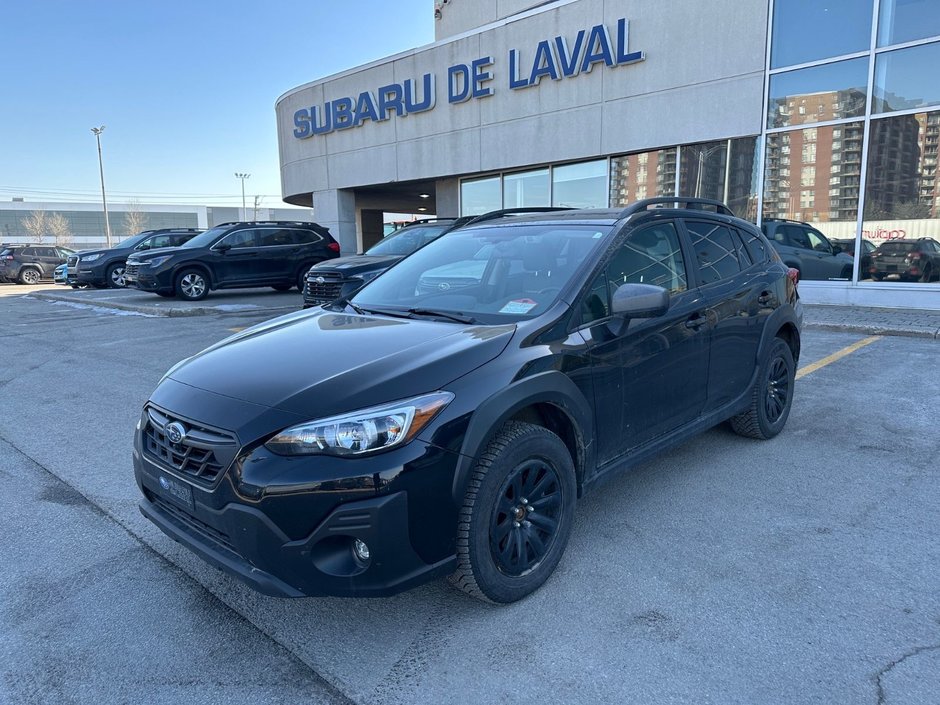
{"x": 914, "y": 256}
{"x": 334, "y": 246}
{"x": 794, "y": 275}
{"x": 7, "y": 257}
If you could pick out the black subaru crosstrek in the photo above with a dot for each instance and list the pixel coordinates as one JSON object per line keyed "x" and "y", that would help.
{"x": 408, "y": 432}
{"x": 105, "y": 268}
{"x": 233, "y": 255}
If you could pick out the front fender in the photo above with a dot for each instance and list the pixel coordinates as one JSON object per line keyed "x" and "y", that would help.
{"x": 551, "y": 387}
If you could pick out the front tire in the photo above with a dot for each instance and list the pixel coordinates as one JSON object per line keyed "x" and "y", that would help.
{"x": 772, "y": 397}
{"x": 192, "y": 285}
{"x": 115, "y": 276}
{"x": 517, "y": 514}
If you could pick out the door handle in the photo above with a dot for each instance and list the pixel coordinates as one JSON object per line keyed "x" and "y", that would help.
{"x": 696, "y": 322}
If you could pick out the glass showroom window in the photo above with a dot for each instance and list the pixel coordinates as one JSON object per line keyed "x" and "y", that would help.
{"x": 743, "y": 173}
{"x": 818, "y": 94}
{"x": 581, "y": 185}
{"x": 824, "y": 194}
{"x": 480, "y": 195}
{"x": 907, "y": 21}
{"x": 702, "y": 170}
{"x": 902, "y": 199}
{"x": 806, "y": 30}
{"x": 907, "y": 79}
{"x": 528, "y": 188}
{"x": 646, "y": 175}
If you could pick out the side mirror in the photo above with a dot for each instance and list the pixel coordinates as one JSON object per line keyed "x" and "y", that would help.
{"x": 837, "y": 249}
{"x": 640, "y": 301}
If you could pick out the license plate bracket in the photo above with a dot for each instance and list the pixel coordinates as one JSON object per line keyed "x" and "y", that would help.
{"x": 176, "y": 491}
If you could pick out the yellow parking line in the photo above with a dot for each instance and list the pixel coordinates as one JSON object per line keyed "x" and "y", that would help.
{"x": 238, "y": 329}
{"x": 837, "y": 355}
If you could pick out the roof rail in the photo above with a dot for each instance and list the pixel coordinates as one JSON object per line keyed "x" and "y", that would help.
{"x": 492, "y": 215}
{"x": 784, "y": 220}
{"x": 268, "y": 222}
{"x": 679, "y": 201}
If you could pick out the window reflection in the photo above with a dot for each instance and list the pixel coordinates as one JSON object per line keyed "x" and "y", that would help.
{"x": 809, "y": 30}
{"x": 581, "y": 185}
{"x": 902, "y": 198}
{"x": 818, "y": 94}
{"x": 907, "y": 20}
{"x": 480, "y": 195}
{"x": 645, "y": 175}
{"x": 702, "y": 170}
{"x": 529, "y": 188}
{"x": 907, "y": 78}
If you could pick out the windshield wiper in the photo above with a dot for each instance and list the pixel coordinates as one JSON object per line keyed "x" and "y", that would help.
{"x": 456, "y": 317}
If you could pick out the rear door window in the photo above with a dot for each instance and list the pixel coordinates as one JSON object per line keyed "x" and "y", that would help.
{"x": 715, "y": 251}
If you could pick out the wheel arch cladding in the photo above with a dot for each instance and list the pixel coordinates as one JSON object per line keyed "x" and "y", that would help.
{"x": 548, "y": 399}
{"x": 781, "y": 324}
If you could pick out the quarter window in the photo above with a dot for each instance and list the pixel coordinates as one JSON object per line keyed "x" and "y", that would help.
{"x": 276, "y": 238}
{"x": 715, "y": 251}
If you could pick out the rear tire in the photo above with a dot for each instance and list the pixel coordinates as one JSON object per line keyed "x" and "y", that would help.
{"x": 927, "y": 275}
{"x": 192, "y": 285}
{"x": 772, "y": 396}
{"x": 282, "y": 287}
{"x": 302, "y": 276}
{"x": 517, "y": 514}
{"x": 29, "y": 276}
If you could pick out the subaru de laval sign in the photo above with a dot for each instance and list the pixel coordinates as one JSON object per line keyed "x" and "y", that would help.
{"x": 558, "y": 58}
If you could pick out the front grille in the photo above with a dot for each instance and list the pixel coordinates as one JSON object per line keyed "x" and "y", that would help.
{"x": 131, "y": 269}
{"x": 329, "y": 289}
{"x": 192, "y": 523}
{"x": 72, "y": 261}
{"x": 203, "y": 454}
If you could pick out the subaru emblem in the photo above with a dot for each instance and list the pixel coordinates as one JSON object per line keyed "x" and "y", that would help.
{"x": 320, "y": 280}
{"x": 175, "y": 432}
{"x": 164, "y": 483}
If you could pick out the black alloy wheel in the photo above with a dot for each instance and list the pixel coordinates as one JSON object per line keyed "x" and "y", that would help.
{"x": 115, "y": 276}
{"x": 772, "y": 396}
{"x": 517, "y": 514}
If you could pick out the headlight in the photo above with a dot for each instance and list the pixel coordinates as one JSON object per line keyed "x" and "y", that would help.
{"x": 368, "y": 276}
{"x": 89, "y": 258}
{"x": 360, "y": 432}
{"x": 156, "y": 261}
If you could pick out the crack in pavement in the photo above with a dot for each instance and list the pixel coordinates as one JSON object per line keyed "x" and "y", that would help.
{"x": 887, "y": 669}
{"x": 81, "y": 498}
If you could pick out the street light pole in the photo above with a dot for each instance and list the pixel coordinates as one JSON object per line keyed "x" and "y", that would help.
{"x": 244, "y": 207}
{"x": 104, "y": 198}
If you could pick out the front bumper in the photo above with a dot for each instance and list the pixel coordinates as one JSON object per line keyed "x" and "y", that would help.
{"x": 286, "y": 526}
{"x": 146, "y": 282}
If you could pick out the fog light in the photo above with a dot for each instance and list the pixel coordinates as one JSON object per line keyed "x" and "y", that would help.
{"x": 361, "y": 550}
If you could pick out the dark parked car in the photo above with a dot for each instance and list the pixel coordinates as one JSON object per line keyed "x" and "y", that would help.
{"x": 234, "y": 255}
{"x": 908, "y": 260}
{"x": 105, "y": 268}
{"x": 848, "y": 247}
{"x": 29, "y": 264}
{"x": 344, "y": 276}
{"x": 369, "y": 445}
{"x": 807, "y": 250}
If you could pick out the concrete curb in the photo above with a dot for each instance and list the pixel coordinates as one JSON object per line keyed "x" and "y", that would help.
{"x": 872, "y": 330}
{"x": 167, "y": 310}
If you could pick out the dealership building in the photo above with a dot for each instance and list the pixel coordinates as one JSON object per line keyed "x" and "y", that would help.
{"x": 820, "y": 111}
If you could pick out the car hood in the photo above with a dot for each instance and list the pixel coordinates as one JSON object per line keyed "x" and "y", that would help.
{"x": 356, "y": 264}
{"x": 150, "y": 254}
{"x": 318, "y": 363}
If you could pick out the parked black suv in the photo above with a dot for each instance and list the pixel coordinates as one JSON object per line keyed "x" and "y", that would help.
{"x": 344, "y": 276}
{"x": 29, "y": 264}
{"x": 908, "y": 260}
{"x": 233, "y": 255}
{"x": 372, "y": 444}
{"x": 807, "y": 250}
{"x": 105, "y": 268}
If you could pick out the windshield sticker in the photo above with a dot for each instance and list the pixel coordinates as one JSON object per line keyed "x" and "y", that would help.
{"x": 518, "y": 306}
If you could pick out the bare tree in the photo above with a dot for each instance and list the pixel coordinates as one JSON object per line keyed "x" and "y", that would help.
{"x": 35, "y": 225}
{"x": 60, "y": 229}
{"x": 135, "y": 219}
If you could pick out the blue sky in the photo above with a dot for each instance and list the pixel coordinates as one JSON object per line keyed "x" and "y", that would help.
{"x": 186, "y": 90}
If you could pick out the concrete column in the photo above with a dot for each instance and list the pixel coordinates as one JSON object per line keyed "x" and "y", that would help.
{"x": 336, "y": 209}
{"x": 446, "y": 198}
{"x": 372, "y": 231}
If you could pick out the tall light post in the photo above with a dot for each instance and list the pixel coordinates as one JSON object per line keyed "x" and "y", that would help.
{"x": 104, "y": 199}
{"x": 244, "y": 207}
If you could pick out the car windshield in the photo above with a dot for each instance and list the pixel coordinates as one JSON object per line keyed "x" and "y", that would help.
{"x": 134, "y": 240}
{"x": 7, "y": 251}
{"x": 491, "y": 274}
{"x": 407, "y": 240}
{"x": 207, "y": 238}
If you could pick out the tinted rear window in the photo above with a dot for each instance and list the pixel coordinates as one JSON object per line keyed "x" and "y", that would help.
{"x": 898, "y": 246}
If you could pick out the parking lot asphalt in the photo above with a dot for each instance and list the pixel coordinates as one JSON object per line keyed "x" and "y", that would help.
{"x": 802, "y": 569}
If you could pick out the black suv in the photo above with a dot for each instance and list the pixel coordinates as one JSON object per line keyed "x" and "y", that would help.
{"x": 372, "y": 444}
{"x": 233, "y": 255}
{"x": 29, "y": 264}
{"x": 807, "y": 250}
{"x": 105, "y": 268}
{"x": 331, "y": 280}
{"x": 909, "y": 260}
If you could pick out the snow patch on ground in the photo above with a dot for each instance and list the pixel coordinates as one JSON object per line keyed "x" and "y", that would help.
{"x": 102, "y": 310}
